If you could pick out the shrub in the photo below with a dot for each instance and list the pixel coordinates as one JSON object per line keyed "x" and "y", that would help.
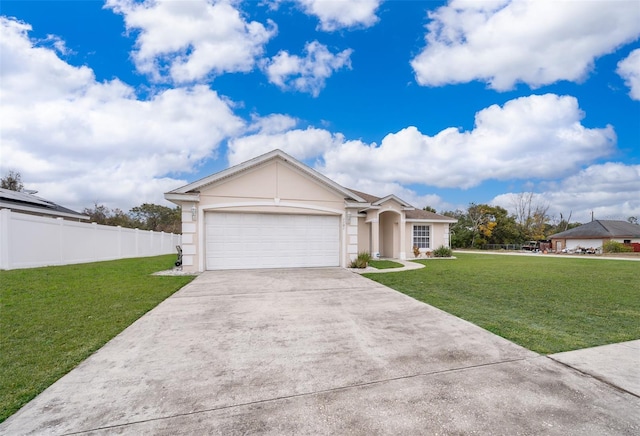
{"x": 361, "y": 261}
{"x": 416, "y": 251}
{"x": 615, "y": 247}
{"x": 442, "y": 251}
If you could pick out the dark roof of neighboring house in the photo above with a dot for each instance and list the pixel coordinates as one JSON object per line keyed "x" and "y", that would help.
{"x": 410, "y": 214}
{"x": 601, "y": 229}
{"x": 21, "y": 201}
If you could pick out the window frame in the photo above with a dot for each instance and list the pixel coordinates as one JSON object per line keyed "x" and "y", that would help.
{"x": 420, "y": 239}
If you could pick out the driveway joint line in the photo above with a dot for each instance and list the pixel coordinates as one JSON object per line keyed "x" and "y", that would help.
{"x": 336, "y": 289}
{"x": 303, "y": 394}
{"x": 594, "y": 376}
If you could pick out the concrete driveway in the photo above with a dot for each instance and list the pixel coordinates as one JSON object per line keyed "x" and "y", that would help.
{"x": 318, "y": 351}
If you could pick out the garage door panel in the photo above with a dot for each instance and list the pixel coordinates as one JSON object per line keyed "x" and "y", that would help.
{"x": 237, "y": 240}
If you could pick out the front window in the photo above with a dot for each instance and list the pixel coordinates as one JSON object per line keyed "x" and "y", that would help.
{"x": 421, "y": 236}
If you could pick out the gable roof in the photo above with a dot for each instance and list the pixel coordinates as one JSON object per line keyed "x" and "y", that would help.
{"x": 195, "y": 187}
{"x": 411, "y": 213}
{"x": 21, "y": 201}
{"x": 190, "y": 191}
{"x": 601, "y": 229}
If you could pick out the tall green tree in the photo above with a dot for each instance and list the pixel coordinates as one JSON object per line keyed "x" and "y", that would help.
{"x": 158, "y": 218}
{"x": 461, "y": 234}
{"x": 505, "y": 230}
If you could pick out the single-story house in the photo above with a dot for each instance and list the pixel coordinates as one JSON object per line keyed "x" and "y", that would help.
{"x": 594, "y": 234}
{"x": 276, "y": 212}
{"x": 28, "y": 203}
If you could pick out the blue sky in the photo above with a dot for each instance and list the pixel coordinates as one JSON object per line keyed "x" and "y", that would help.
{"x": 440, "y": 103}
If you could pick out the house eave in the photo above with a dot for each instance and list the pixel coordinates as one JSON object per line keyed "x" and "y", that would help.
{"x": 175, "y": 197}
{"x": 430, "y": 220}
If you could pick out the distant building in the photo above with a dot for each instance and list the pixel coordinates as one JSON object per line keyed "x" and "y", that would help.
{"x": 596, "y": 233}
{"x": 28, "y": 203}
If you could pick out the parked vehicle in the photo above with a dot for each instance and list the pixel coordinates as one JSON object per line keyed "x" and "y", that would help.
{"x": 531, "y": 246}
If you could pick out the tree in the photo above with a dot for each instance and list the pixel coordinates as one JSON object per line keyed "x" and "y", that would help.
{"x": 157, "y": 218}
{"x": 531, "y": 215}
{"x": 461, "y": 234}
{"x": 429, "y": 209}
{"x": 633, "y": 220}
{"x": 101, "y": 214}
{"x": 505, "y": 229}
{"x": 481, "y": 222}
{"x": 12, "y": 181}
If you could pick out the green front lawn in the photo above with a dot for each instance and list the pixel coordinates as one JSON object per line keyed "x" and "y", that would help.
{"x": 547, "y": 304}
{"x": 384, "y": 264}
{"x": 53, "y": 318}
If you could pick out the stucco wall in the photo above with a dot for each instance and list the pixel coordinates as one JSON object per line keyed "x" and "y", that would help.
{"x": 438, "y": 236}
{"x": 274, "y": 187}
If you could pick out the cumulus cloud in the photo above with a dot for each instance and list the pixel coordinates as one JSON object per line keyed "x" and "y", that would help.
{"x": 300, "y": 143}
{"x": 77, "y": 140}
{"x": 340, "y": 14}
{"x": 539, "y": 136}
{"x": 309, "y": 73}
{"x": 503, "y": 42}
{"x": 609, "y": 190}
{"x": 629, "y": 70}
{"x": 192, "y": 40}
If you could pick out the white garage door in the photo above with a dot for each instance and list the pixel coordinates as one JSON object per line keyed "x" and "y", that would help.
{"x": 251, "y": 240}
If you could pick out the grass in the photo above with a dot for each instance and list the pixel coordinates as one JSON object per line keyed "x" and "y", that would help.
{"x": 385, "y": 264}
{"x": 543, "y": 303}
{"x": 53, "y": 318}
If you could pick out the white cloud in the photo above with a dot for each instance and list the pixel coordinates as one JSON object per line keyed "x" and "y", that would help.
{"x": 301, "y": 144}
{"x": 274, "y": 123}
{"x": 629, "y": 70}
{"x": 77, "y": 140}
{"x": 537, "y": 42}
{"x": 340, "y": 14}
{"x": 608, "y": 190}
{"x": 528, "y": 138}
{"x": 309, "y": 73}
{"x": 192, "y": 40}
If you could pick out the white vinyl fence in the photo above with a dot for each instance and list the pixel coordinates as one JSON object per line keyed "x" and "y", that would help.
{"x": 28, "y": 241}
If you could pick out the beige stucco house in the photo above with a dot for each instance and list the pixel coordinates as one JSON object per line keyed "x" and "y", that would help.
{"x": 275, "y": 212}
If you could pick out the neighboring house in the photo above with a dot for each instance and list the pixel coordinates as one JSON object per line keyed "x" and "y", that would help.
{"x": 275, "y": 212}
{"x": 594, "y": 234}
{"x": 27, "y": 202}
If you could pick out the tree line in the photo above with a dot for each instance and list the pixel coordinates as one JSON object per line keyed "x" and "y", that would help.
{"x": 145, "y": 217}
{"x": 482, "y": 224}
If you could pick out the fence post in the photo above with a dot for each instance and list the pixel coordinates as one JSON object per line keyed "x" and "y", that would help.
{"x": 5, "y": 229}
{"x": 119, "y": 242}
{"x": 60, "y": 222}
{"x": 137, "y": 233}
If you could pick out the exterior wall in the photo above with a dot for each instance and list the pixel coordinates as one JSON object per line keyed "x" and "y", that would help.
{"x": 274, "y": 187}
{"x": 28, "y": 241}
{"x": 389, "y": 234}
{"x": 438, "y": 235}
{"x": 572, "y": 244}
{"x": 364, "y": 236}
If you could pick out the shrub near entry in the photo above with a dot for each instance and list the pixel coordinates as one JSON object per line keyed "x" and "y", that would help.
{"x": 442, "y": 251}
{"x": 362, "y": 261}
